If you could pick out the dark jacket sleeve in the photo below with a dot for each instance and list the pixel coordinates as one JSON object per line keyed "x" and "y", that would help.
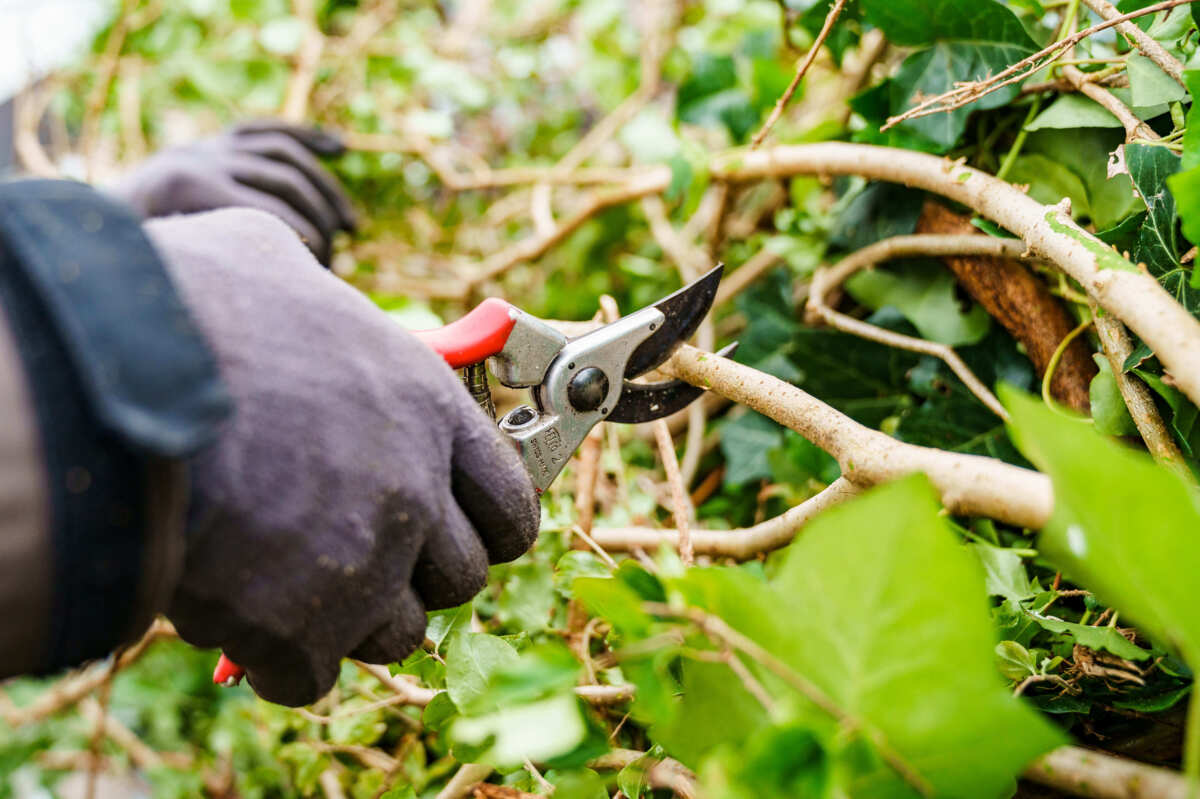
{"x": 106, "y": 386}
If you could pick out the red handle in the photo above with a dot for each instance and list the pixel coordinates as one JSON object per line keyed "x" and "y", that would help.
{"x": 477, "y": 336}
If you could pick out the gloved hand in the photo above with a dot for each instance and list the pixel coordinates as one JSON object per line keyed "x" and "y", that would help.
{"x": 268, "y": 165}
{"x": 357, "y": 484}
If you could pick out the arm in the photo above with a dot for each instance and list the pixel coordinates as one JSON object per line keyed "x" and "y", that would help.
{"x": 94, "y": 427}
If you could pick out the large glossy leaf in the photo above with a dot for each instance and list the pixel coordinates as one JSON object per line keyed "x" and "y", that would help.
{"x": 917, "y": 22}
{"x": 886, "y": 616}
{"x": 1123, "y": 526}
{"x": 1084, "y": 153}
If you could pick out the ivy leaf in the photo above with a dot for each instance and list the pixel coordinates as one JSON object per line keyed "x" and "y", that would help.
{"x": 538, "y": 731}
{"x": 1151, "y": 168}
{"x": 1108, "y": 406}
{"x": 1104, "y": 496}
{"x": 1191, "y": 138}
{"x": 745, "y": 442}
{"x": 938, "y": 69}
{"x": 926, "y": 294}
{"x": 470, "y": 663}
{"x": 1098, "y": 638}
{"x": 1085, "y": 152}
{"x": 1149, "y": 84}
{"x": 1004, "y": 572}
{"x": 917, "y": 22}
{"x": 877, "y": 636}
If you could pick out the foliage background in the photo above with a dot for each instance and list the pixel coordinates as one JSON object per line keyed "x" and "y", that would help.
{"x": 893, "y": 613}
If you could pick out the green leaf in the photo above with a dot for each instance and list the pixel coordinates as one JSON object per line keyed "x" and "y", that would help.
{"x": 443, "y": 623}
{"x": 712, "y": 709}
{"x": 1149, "y": 84}
{"x": 439, "y": 710}
{"x": 356, "y": 727}
{"x": 1004, "y": 572}
{"x": 925, "y": 293}
{"x": 938, "y": 69}
{"x": 470, "y": 663}
{"x": 1074, "y": 111}
{"x": 745, "y": 442}
{"x": 1108, "y": 406}
{"x": 1191, "y": 139}
{"x": 877, "y": 635}
{"x": 1085, "y": 152}
{"x": 1015, "y": 661}
{"x": 917, "y": 22}
{"x": 1152, "y": 169}
{"x": 1123, "y": 526}
{"x": 538, "y": 731}
{"x": 1098, "y": 638}
{"x": 876, "y": 211}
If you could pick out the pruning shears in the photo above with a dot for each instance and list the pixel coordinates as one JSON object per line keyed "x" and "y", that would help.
{"x": 575, "y": 383}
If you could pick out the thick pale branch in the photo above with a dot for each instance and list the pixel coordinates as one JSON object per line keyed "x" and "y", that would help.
{"x": 1119, "y": 287}
{"x": 970, "y": 485}
{"x": 1083, "y": 772}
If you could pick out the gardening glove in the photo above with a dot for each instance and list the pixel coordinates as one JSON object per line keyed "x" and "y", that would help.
{"x": 357, "y": 484}
{"x": 268, "y": 165}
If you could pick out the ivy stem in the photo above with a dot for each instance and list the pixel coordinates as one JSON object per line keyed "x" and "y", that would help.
{"x": 1048, "y": 377}
{"x": 1019, "y": 141}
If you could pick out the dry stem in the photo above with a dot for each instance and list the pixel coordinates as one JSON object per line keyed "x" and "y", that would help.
{"x": 826, "y": 280}
{"x": 679, "y": 498}
{"x": 308, "y": 58}
{"x": 1134, "y": 127}
{"x": 786, "y": 97}
{"x": 740, "y": 544}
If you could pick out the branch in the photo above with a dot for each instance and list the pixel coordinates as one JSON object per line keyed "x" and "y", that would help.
{"x": 72, "y": 689}
{"x": 679, "y": 498}
{"x": 308, "y": 58}
{"x": 467, "y": 777}
{"x": 970, "y": 485}
{"x": 786, "y": 97}
{"x": 736, "y": 282}
{"x": 1084, "y": 772}
{"x": 742, "y": 544}
{"x": 825, "y": 280}
{"x": 1134, "y": 127}
{"x": 1129, "y": 293}
{"x": 1145, "y": 43}
{"x": 1116, "y": 345}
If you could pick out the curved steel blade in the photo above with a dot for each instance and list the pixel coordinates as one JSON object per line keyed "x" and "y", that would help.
{"x": 685, "y": 310}
{"x": 645, "y": 402}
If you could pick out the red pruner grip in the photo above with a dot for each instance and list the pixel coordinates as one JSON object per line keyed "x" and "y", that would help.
{"x": 227, "y": 672}
{"x": 475, "y": 337}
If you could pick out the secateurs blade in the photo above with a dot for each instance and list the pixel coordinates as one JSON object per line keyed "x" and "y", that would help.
{"x": 575, "y": 383}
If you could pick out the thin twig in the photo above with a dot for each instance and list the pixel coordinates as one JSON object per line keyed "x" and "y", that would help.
{"x": 467, "y": 777}
{"x": 679, "y": 498}
{"x": 786, "y": 97}
{"x": 826, "y": 280}
{"x": 1134, "y": 127}
{"x": 1149, "y": 46}
{"x": 741, "y": 544}
{"x": 308, "y": 58}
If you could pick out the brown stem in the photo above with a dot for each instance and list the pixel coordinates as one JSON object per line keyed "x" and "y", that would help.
{"x": 1021, "y": 303}
{"x": 1144, "y": 42}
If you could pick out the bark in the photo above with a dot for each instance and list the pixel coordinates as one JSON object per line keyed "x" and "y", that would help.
{"x": 1020, "y": 302}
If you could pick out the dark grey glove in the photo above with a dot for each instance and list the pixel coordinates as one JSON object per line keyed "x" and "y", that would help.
{"x": 268, "y": 165}
{"x": 357, "y": 484}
